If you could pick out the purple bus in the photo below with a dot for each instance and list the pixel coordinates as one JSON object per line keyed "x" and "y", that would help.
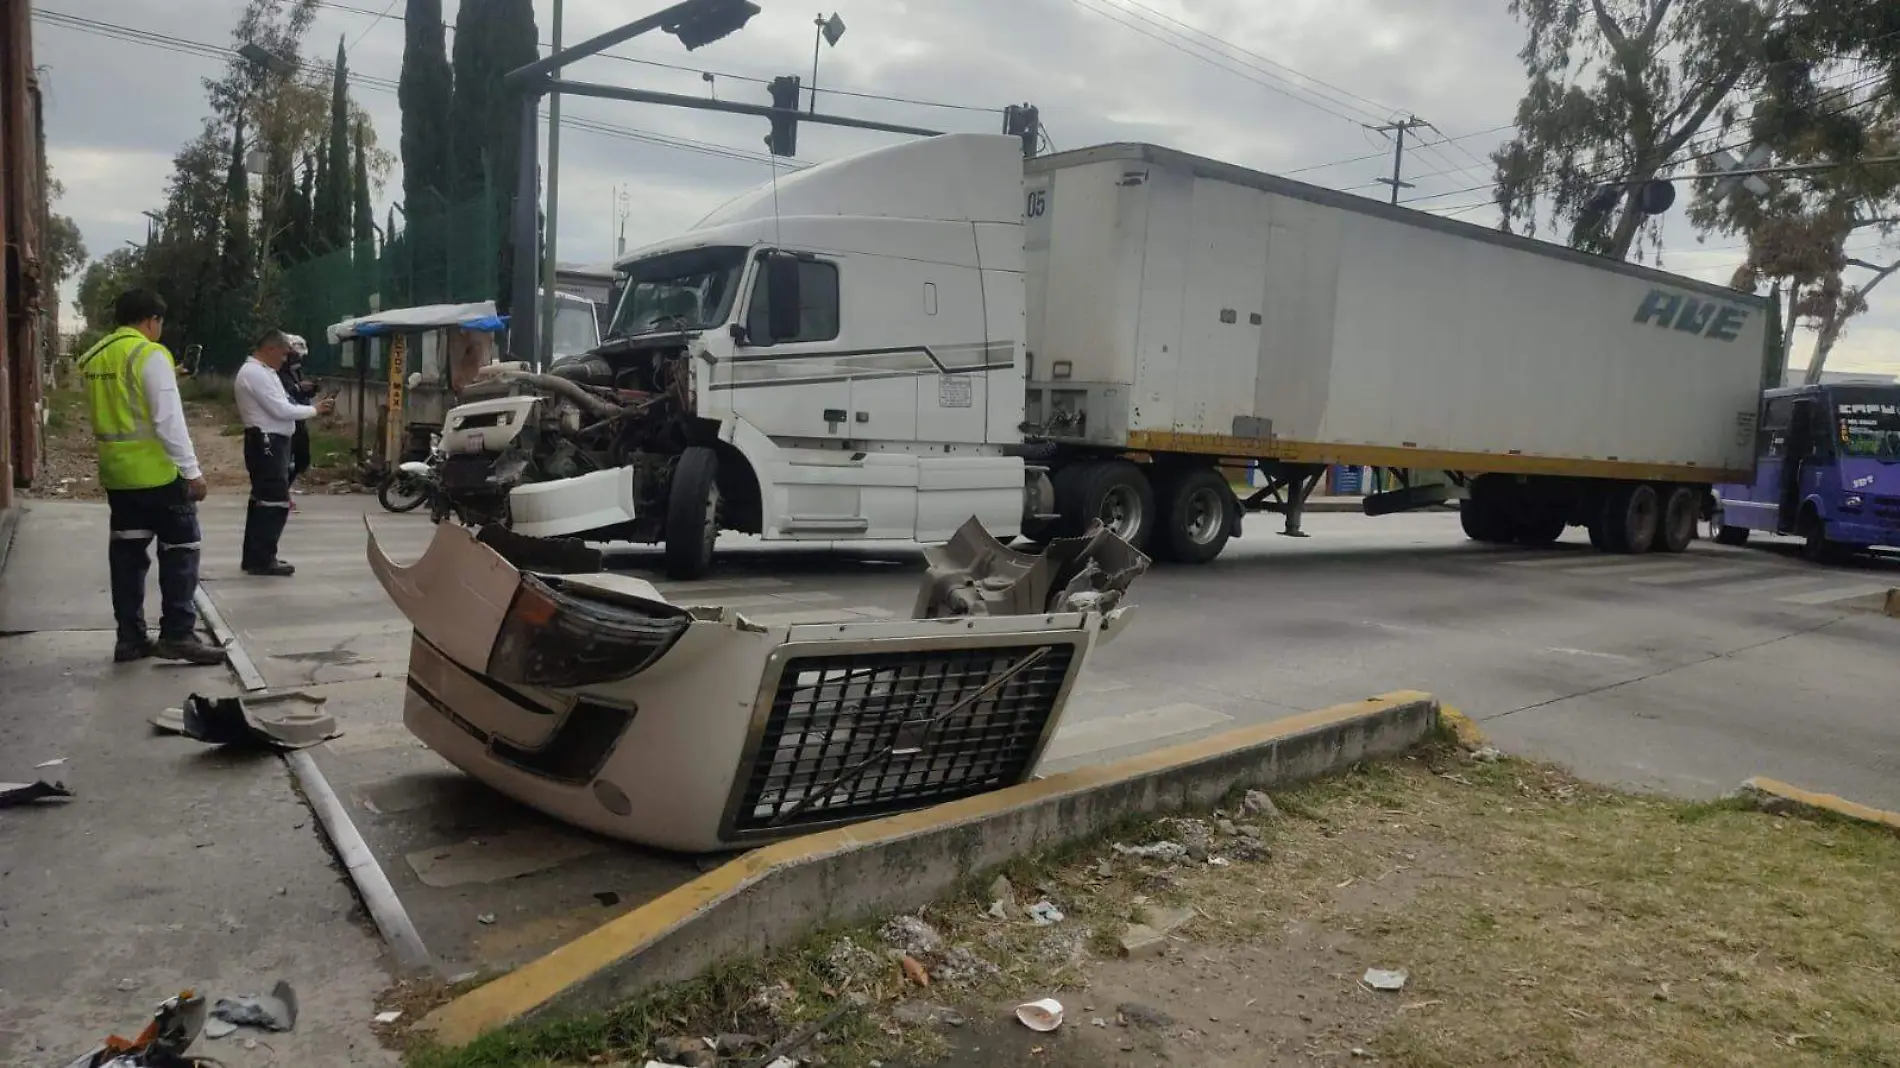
{"x": 1827, "y": 470}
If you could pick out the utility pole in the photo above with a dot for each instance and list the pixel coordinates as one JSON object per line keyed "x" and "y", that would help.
{"x": 1398, "y": 152}
{"x": 829, "y": 30}
{"x": 550, "y": 267}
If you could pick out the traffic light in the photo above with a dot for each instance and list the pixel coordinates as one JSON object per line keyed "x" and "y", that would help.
{"x": 784, "y": 138}
{"x": 1024, "y": 121}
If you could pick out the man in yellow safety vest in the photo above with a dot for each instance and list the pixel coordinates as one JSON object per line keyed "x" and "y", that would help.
{"x": 150, "y": 473}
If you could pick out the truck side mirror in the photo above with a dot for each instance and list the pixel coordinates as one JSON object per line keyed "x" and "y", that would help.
{"x": 782, "y": 296}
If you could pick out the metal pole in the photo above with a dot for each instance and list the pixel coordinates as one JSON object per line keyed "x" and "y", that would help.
{"x": 1398, "y": 157}
{"x": 545, "y": 353}
{"x": 730, "y": 107}
{"x": 817, "y": 38}
{"x": 521, "y": 319}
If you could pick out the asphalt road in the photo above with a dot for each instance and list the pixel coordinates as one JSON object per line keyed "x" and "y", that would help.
{"x": 1685, "y": 673}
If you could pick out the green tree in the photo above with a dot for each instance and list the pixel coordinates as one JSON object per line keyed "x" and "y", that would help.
{"x": 238, "y": 266}
{"x": 99, "y": 285}
{"x": 65, "y": 248}
{"x": 363, "y": 222}
{"x": 492, "y": 37}
{"x": 426, "y": 95}
{"x": 302, "y": 220}
{"x": 334, "y": 199}
{"x": 1618, "y": 88}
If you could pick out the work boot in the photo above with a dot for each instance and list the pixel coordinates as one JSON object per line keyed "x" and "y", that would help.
{"x": 275, "y": 568}
{"x": 192, "y": 650}
{"x": 127, "y": 651}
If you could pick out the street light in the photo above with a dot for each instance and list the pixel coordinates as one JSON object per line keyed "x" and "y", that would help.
{"x": 829, "y": 31}
{"x": 258, "y": 55}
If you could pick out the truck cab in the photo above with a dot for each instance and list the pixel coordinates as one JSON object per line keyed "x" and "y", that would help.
{"x": 1827, "y": 470}
{"x": 834, "y": 356}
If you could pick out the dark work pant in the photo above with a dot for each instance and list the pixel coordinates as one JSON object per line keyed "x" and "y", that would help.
{"x": 267, "y": 459}
{"x": 299, "y": 452}
{"x": 167, "y": 516}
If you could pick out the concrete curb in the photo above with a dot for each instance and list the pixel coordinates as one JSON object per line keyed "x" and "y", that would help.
{"x": 773, "y": 896}
{"x": 9, "y": 524}
{"x": 1774, "y": 795}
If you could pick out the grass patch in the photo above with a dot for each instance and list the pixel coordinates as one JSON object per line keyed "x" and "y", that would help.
{"x": 331, "y": 449}
{"x": 1543, "y": 920}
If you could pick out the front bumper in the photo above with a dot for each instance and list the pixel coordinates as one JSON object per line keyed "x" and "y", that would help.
{"x": 731, "y": 733}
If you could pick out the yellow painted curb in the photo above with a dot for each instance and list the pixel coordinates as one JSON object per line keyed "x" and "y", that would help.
{"x": 1893, "y": 603}
{"x": 1808, "y": 799}
{"x": 1462, "y": 727}
{"x": 525, "y": 989}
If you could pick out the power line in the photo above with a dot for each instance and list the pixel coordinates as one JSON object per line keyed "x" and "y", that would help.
{"x": 1382, "y": 155}
{"x": 682, "y": 68}
{"x": 1251, "y": 74}
{"x": 1378, "y": 108}
{"x": 380, "y": 16}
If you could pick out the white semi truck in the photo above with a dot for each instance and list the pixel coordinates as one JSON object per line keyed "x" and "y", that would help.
{"x": 887, "y": 345}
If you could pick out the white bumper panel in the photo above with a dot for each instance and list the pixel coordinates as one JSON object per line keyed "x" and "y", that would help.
{"x": 572, "y": 505}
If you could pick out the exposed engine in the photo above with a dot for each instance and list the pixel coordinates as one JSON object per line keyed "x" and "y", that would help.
{"x": 620, "y": 406}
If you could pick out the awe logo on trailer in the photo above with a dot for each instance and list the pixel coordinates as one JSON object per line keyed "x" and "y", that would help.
{"x": 1710, "y": 318}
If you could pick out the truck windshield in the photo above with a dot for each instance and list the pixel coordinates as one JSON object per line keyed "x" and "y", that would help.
{"x": 679, "y": 291}
{"x": 574, "y": 327}
{"x": 1869, "y": 422}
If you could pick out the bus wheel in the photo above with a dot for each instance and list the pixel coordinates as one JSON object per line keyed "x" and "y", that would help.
{"x": 1677, "y": 527}
{"x": 1725, "y": 534}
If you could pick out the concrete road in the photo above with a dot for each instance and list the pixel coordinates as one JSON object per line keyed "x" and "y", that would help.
{"x": 1687, "y": 673}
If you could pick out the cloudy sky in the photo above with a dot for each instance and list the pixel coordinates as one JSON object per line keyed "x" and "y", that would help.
{"x": 1292, "y": 93}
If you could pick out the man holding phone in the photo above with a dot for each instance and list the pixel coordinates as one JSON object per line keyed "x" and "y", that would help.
{"x": 300, "y": 392}
{"x": 270, "y": 421}
{"x": 150, "y": 473}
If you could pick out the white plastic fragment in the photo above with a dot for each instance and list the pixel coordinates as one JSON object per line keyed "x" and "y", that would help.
{"x": 1043, "y": 1014}
{"x": 1043, "y": 913}
{"x": 1383, "y": 979}
{"x": 389, "y": 1017}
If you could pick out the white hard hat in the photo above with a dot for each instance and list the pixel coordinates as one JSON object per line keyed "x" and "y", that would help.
{"x": 297, "y": 344}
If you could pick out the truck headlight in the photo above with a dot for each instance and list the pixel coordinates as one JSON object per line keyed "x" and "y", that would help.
{"x": 553, "y": 638}
{"x": 1851, "y": 504}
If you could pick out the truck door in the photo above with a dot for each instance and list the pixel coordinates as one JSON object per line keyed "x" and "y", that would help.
{"x": 786, "y": 379}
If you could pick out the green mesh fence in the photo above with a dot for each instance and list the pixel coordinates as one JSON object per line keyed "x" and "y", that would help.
{"x": 450, "y": 256}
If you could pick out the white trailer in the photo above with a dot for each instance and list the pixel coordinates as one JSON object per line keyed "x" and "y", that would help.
{"x": 887, "y": 345}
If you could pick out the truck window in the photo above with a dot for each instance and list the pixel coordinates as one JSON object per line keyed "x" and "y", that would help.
{"x": 817, "y": 306}
{"x": 1774, "y": 426}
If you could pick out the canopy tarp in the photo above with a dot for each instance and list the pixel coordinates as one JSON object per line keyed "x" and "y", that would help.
{"x": 477, "y": 316}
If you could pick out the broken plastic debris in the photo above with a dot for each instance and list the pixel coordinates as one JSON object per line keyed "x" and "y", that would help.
{"x": 53, "y": 763}
{"x": 1153, "y": 851}
{"x": 1043, "y": 1014}
{"x": 25, "y": 793}
{"x": 217, "y": 1028}
{"x": 783, "y": 1062}
{"x": 276, "y": 1011}
{"x": 389, "y": 1017}
{"x": 175, "y": 1025}
{"x": 1382, "y": 979}
{"x": 1043, "y": 913}
{"x": 485, "y": 918}
{"x": 293, "y": 720}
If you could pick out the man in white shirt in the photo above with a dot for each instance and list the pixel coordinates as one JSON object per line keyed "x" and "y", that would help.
{"x": 270, "y": 418}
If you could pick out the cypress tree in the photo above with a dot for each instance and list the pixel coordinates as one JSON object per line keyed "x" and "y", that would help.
{"x": 426, "y": 96}
{"x": 332, "y": 209}
{"x": 363, "y": 228}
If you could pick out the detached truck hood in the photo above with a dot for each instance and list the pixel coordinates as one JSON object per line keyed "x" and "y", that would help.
{"x": 590, "y": 696}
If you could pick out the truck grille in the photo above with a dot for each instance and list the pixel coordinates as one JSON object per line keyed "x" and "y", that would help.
{"x": 1887, "y": 508}
{"x": 830, "y": 715}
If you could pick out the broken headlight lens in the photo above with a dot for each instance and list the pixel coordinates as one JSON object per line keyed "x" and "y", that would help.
{"x": 554, "y": 638}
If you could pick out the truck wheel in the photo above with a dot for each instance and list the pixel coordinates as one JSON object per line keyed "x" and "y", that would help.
{"x": 1677, "y": 526}
{"x": 1632, "y": 514}
{"x": 1725, "y": 534}
{"x": 1544, "y": 528}
{"x": 1195, "y": 520}
{"x": 1480, "y": 520}
{"x": 692, "y": 513}
{"x": 1118, "y": 494}
{"x": 1599, "y": 537}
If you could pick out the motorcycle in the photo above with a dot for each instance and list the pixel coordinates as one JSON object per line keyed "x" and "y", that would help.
{"x": 414, "y": 483}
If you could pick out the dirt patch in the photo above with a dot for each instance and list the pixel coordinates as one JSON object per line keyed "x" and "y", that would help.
{"x": 70, "y": 467}
{"x": 1538, "y": 919}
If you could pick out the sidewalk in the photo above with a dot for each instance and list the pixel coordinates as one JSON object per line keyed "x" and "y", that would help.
{"x": 175, "y": 865}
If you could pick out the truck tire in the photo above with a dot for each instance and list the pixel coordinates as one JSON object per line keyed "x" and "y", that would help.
{"x": 1196, "y": 518}
{"x": 1113, "y": 491}
{"x": 1676, "y": 526}
{"x": 692, "y": 513}
{"x": 1725, "y": 534}
{"x": 1480, "y": 519}
{"x": 1816, "y": 547}
{"x": 1631, "y": 516}
{"x": 1542, "y": 528}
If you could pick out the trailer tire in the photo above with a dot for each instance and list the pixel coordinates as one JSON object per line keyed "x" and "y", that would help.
{"x": 1480, "y": 518}
{"x": 1543, "y": 528}
{"x": 1113, "y": 491}
{"x": 1196, "y": 517}
{"x": 1599, "y": 539}
{"x": 1676, "y": 528}
{"x": 1631, "y": 515}
{"x": 1725, "y": 534}
{"x": 692, "y": 513}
